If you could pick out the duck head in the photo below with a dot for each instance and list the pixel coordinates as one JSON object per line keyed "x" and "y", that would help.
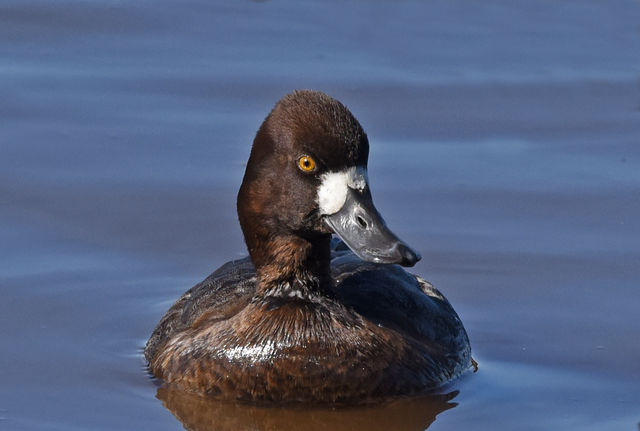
{"x": 306, "y": 178}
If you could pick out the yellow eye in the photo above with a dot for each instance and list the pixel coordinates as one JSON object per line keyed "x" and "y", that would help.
{"x": 306, "y": 164}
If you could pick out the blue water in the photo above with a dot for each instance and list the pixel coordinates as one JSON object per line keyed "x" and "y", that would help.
{"x": 505, "y": 147}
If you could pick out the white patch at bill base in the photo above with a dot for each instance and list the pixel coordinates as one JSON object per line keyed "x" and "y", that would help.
{"x": 332, "y": 192}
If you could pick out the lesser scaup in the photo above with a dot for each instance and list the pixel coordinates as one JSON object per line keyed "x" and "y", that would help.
{"x": 306, "y": 318}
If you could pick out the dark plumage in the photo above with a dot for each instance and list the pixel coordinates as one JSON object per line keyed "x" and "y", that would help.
{"x": 303, "y": 320}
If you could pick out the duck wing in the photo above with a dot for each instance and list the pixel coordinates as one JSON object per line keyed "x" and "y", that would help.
{"x": 221, "y": 295}
{"x": 390, "y": 297}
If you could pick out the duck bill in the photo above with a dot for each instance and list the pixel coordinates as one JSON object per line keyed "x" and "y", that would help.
{"x": 362, "y": 228}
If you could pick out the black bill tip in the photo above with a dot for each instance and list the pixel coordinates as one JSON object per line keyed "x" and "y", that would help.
{"x": 408, "y": 256}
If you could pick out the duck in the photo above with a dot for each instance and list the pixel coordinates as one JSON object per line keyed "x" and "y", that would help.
{"x": 322, "y": 310}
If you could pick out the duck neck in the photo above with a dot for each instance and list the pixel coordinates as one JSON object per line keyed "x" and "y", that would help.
{"x": 293, "y": 267}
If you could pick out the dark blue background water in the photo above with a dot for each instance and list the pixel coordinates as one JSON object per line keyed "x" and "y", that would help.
{"x": 505, "y": 146}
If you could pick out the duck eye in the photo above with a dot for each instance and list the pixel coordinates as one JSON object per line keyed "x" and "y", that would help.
{"x": 306, "y": 164}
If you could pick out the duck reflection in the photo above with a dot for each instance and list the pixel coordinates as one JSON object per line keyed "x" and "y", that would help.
{"x": 199, "y": 413}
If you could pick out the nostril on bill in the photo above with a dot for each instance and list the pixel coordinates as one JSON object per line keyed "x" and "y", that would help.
{"x": 361, "y": 222}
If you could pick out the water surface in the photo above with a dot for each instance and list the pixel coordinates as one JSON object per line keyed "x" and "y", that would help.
{"x": 504, "y": 146}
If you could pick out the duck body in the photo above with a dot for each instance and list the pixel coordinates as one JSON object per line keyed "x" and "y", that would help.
{"x": 304, "y": 318}
{"x": 383, "y": 333}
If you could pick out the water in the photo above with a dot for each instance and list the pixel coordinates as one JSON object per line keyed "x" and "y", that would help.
{"x": 504, "y": 147}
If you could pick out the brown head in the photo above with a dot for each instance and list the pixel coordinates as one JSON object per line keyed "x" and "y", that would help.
{"x": 306, "y": 178}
